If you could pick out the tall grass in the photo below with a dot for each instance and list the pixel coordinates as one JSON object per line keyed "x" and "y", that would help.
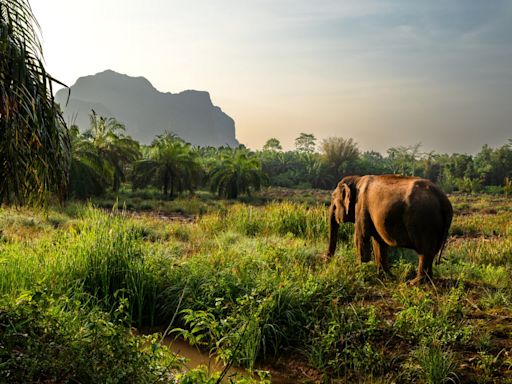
{"x": 102, "y": 255}
{"x": 281, "y": 219}
{"x": 248, "y": 283}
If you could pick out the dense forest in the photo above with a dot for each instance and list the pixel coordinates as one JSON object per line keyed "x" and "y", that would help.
{"x": 104, "y": 156}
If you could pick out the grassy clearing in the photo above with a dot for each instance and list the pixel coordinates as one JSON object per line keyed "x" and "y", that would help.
{"x": 247, "y": 283}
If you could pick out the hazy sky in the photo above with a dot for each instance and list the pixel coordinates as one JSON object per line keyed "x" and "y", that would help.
{"x": 386, "y": 73}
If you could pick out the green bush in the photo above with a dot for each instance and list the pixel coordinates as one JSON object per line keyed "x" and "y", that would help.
{"x": 46, "y": 339}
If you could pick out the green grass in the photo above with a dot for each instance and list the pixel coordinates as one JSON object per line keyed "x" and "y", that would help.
{"x": 248, "y": 284}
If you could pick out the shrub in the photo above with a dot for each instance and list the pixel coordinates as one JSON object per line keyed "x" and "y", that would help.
{"x": 47, "y": 339}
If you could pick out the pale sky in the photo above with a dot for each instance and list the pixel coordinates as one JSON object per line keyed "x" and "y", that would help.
{"x": 385, "y": 73}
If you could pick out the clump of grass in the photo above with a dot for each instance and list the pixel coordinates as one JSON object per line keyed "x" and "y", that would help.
{"x": 110, "y": 259}
{"x": 476, "y": 225}
{"x": 435, "y": 365}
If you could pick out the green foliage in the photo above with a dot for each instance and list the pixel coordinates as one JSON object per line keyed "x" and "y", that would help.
{"x": 248, "y": 285}
{"x": 47, "y": 339}
{"x": 345, "y": 342}
{"x": 90, "y": 174}
{"x": 235, "y": 172}
{"x": 403, "y": 159}
{"x": 340, "y": 155}
{"x": 169, "y": 164}
{"x": 427, "y": 323}
{"x": 272, "y": 144}
{"x": 100, "y": 255}
{"x": 279, "y": 218}
{"x": 34, "y": 159}
{"x": 201, "y": 375}
{"x": 110, "y": 265}
{"x": 115, "y": 148}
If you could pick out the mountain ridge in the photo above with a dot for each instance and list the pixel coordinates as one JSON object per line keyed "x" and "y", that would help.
{"x": 146, "y": 111}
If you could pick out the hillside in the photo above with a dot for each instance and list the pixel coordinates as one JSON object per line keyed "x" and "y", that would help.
{"x": 147, "y": 112}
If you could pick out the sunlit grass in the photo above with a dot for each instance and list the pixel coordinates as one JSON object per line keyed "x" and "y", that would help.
{"x": 249, "y": 283}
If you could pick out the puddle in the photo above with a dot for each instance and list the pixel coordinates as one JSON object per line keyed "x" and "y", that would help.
{"x": 196, "y": 358}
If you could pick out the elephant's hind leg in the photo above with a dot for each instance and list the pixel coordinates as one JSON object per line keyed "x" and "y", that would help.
{"x": 380, "y": 250}
{"x": 425, "y": 270}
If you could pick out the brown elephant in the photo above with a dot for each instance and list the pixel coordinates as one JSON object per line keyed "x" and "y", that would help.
{"x": 392, "y": 211}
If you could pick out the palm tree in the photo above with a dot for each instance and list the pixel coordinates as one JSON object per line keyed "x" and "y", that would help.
{"x": 90, "y": 174}
{"x": 34, "y": 159}
{"x": 340, "y": 155}
{"x": 171, "y": 164}
{"x": 236, "y": 172}
{"x": 107, "y": 136}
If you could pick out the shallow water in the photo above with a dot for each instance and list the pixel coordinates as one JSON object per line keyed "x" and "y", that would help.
{"x": 196, "y": 358}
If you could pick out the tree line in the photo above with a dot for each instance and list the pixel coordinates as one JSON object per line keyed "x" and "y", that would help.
{"x": 322, "y": 165}
{"x": 109, "y": 157}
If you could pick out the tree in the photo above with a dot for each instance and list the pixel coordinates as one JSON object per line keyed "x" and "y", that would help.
{"x": 306, "y": 142}
{"x": 34, "y": 156}
{"x": 403, "y": 159}
{"x": 171, "y": 164}
{"x": 431, "y": 167}
{"x": 107, "y": 136}
{"x": 372, "y": 163}
{"x": 340, "y": 155}
{"x": 235, "y": 173}
{"x": 273, "y": 145}
{"x": 89, "y": 174}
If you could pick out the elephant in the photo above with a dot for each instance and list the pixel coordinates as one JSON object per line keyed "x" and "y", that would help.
{"x": 392, "y": 211}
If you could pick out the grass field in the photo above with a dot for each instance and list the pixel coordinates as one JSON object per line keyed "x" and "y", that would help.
{"x": 246, "y": 282}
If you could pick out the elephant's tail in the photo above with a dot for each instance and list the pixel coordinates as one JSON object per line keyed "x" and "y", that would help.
{"x": 440, "y": 254}
{"x": 447, "y": 212}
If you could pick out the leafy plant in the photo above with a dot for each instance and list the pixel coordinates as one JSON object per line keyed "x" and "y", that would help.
{"x": 34, "y": 160}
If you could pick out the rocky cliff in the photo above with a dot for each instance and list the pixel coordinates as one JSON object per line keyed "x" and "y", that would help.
{"x": 147, "y": 112}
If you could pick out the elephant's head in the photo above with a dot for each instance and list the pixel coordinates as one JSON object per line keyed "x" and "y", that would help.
{"x": 342, "y": 209}
{"x": 344, "y": 200}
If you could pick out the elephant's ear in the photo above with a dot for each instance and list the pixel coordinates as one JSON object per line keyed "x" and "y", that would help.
{"x": 345, "y": 196}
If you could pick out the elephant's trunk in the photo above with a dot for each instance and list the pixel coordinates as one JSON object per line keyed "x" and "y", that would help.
{"x": 333, "y": 231}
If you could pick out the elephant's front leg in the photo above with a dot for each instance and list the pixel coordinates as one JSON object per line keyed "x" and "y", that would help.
{"x": 362, "y": 242}
{"x": 380, "y": 250}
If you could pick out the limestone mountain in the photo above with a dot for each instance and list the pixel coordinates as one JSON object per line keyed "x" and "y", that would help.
{"x": 147, "y": 112}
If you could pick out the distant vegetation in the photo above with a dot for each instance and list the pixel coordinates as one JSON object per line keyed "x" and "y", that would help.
{"x": 174, "y": 166}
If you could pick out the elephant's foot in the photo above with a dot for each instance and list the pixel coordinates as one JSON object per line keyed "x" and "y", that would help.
{"x": 416, "y": 281}
{"x": 420, "y": 279}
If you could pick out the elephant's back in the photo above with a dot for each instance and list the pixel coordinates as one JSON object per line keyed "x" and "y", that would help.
{"x": 407, "y": 211}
